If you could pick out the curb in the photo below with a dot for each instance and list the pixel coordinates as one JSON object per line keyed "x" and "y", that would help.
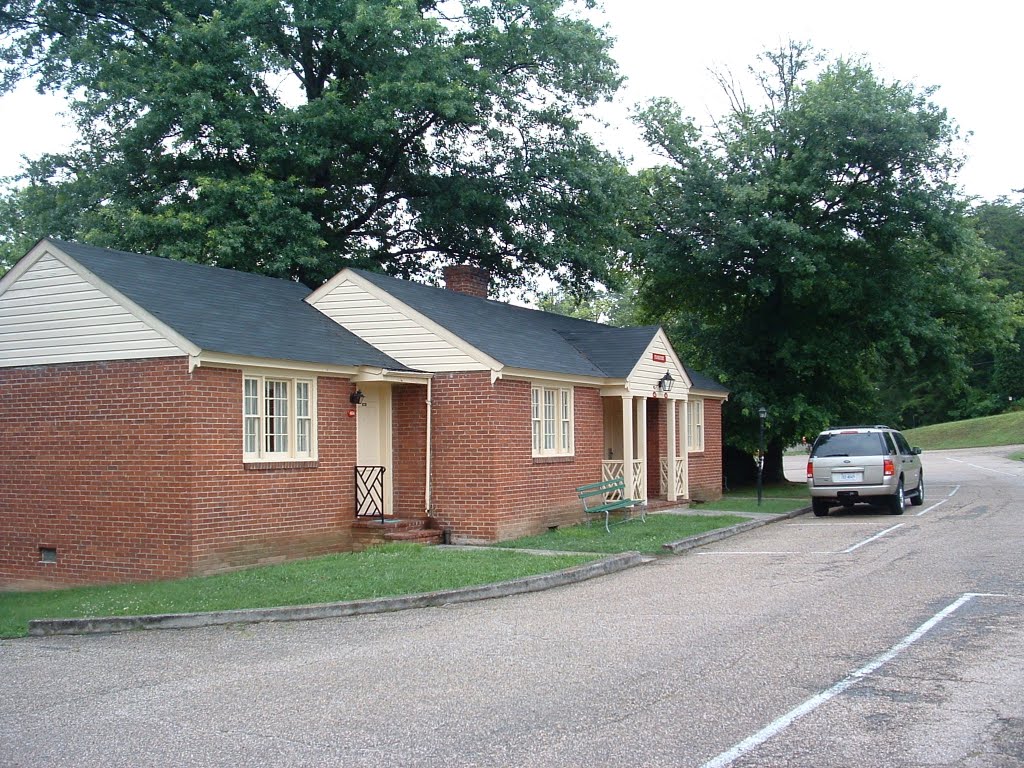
{"x": 104, "y": 625}
{"x": 574, "y": 575}
{"x": 692, "y": 542}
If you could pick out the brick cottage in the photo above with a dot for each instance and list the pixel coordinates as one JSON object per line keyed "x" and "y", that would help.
{"x": 163, "y": 419}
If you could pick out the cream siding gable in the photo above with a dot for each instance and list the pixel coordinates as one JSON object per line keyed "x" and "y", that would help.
{"x": 644, "y": 378}
{"x": 397, "y": 330}
{"x": 50, "y": 313}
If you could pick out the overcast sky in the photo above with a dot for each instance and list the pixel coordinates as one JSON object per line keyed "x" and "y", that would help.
{"x": 666, "y": 47}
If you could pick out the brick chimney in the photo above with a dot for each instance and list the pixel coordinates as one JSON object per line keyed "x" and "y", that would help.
{"x": 465, "y": 278}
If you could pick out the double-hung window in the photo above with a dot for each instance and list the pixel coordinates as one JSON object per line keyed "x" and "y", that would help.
{"x": 278, "y": 418}
{"x": 552, "y": 420}
{"x": 695, "y": 425}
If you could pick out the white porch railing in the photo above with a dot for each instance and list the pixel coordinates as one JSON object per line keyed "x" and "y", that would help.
{"x": 680, "y": 475}
{"x": 612, "y": 469}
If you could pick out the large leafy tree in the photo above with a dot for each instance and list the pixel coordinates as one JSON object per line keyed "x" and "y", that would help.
{"x": 295, "y": 137}
{"x": 1001, "y": 225}
{"x": 811, "y": 250}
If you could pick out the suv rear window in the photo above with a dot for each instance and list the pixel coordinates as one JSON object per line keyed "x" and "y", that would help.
{"x": 849, "y": 444}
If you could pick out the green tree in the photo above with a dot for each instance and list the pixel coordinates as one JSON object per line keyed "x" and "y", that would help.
{"x": 811, "y": 252}
{"x": 295, "y": 138}
{"x": 1001, "y": 371}
{"x": 1001, "y": 225}
{"x": 616, "y": 305}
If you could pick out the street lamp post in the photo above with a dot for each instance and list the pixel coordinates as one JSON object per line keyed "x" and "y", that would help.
{"x": 762, "y": 412}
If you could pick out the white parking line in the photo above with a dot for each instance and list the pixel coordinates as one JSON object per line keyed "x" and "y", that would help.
{"x": 953, "y": 492}
{"x": 986, "y": 469}
{"x": 933, "y": 506}
{"x": 730, "y": 756}
{"x": 997, "y": 471}
{"x": 868, "y": 541}
{"x": 830, "y": 524}
{"x": 764, "y": 552}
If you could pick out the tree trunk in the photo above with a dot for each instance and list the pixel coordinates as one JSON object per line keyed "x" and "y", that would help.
{"x": 773, "y": 472}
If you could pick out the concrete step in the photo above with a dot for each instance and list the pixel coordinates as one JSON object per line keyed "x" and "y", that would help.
{"x": 399, "y": 529}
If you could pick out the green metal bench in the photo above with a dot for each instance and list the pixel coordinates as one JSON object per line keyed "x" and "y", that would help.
{"x": 610, "y": 495}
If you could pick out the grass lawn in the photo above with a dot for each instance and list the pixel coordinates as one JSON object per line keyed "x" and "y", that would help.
{"x": 1004, "y": 429}
{"x": 386, "y": 571}
{"x": 625, "y": 536}
{"x": 776, "y": 499}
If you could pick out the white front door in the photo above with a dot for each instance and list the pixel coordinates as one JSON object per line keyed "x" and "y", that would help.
{"x": 373, "y": 433}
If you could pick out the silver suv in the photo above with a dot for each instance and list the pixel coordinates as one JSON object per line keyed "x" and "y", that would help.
{"x": 864, "y": 464}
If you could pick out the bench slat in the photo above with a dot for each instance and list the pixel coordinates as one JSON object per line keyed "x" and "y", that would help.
{"x": 603, "y": 489}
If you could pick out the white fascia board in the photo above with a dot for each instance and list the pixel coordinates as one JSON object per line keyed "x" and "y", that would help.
{"x": 526, "y": 374}
{"x": 393, "y": 377}
{"x": 119, "y": 298}
{"x": 455, "y": 340}
{"x": 619, "y": 389}
{"x": 709, "y": 394}
{"x": 222, "y": 360}
{"x": 22, "y": 265}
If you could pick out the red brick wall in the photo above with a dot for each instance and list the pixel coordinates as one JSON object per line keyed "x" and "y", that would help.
{"x": 409, "y": 448}
{"x": 487, "y": 485}
{"x": 245, "y": 514}
{"x": 94, "y": 463}
{"x": 657, "y": 442}
{"x": 706, "y": 466}
{"x": 132, "y": 470}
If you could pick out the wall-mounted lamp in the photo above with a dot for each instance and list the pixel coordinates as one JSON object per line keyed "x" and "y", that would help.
{"x": 357, "y": 397}
{"x": 665, "y": 385}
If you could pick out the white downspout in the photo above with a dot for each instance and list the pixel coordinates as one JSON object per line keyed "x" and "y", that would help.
{"x": 426, "y": 485}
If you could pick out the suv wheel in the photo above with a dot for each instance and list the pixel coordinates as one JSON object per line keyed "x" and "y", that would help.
{"x": 897, "y": 500}
{"x": 820, "y": 507}
{"x": 917, "y": 499}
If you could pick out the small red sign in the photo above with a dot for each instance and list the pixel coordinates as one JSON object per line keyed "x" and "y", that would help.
{"x": 658, "y": 357}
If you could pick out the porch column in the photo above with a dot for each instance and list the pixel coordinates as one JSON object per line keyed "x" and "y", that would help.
{"x": 641, "y": 443}
{"x": 672, "y": 493}
{"x": 627, "y": 444}
{"x": 684, "y": 439}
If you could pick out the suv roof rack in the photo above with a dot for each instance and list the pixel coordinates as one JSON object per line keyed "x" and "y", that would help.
{"x": 860, "y": 426}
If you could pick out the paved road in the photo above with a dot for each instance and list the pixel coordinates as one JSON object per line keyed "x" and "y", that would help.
{"x": 858, "y": 639}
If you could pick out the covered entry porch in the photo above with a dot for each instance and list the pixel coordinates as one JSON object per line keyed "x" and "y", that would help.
{"x": 645, "y": 444}
{"x": 392, "y": 471}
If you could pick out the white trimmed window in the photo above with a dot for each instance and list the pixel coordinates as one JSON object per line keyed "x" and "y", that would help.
{"x": 551, "y": 417}
{"x": 695, "y": 425}
{"x": 278, "y": 418}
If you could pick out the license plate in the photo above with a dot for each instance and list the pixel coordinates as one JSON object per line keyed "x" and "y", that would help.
{"x": 847, "y": 477}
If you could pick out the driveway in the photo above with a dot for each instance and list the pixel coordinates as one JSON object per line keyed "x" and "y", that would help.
{"x": 856, "y": 639}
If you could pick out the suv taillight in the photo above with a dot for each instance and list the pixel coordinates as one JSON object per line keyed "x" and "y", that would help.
{"x": 810, "y": 468}
{"x": 888, "y": 468}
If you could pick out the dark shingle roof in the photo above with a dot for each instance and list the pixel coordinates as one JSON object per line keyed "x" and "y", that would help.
{"x": 700, "y": 381}
{"x": 525, "y": 338}
{"x": 223, "y": 310}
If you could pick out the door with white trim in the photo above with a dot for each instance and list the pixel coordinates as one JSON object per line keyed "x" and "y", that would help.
{"x": 373, "y": 434}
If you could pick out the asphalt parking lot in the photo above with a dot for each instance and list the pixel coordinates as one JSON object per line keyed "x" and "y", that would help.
{"x": 856, "y": 639}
